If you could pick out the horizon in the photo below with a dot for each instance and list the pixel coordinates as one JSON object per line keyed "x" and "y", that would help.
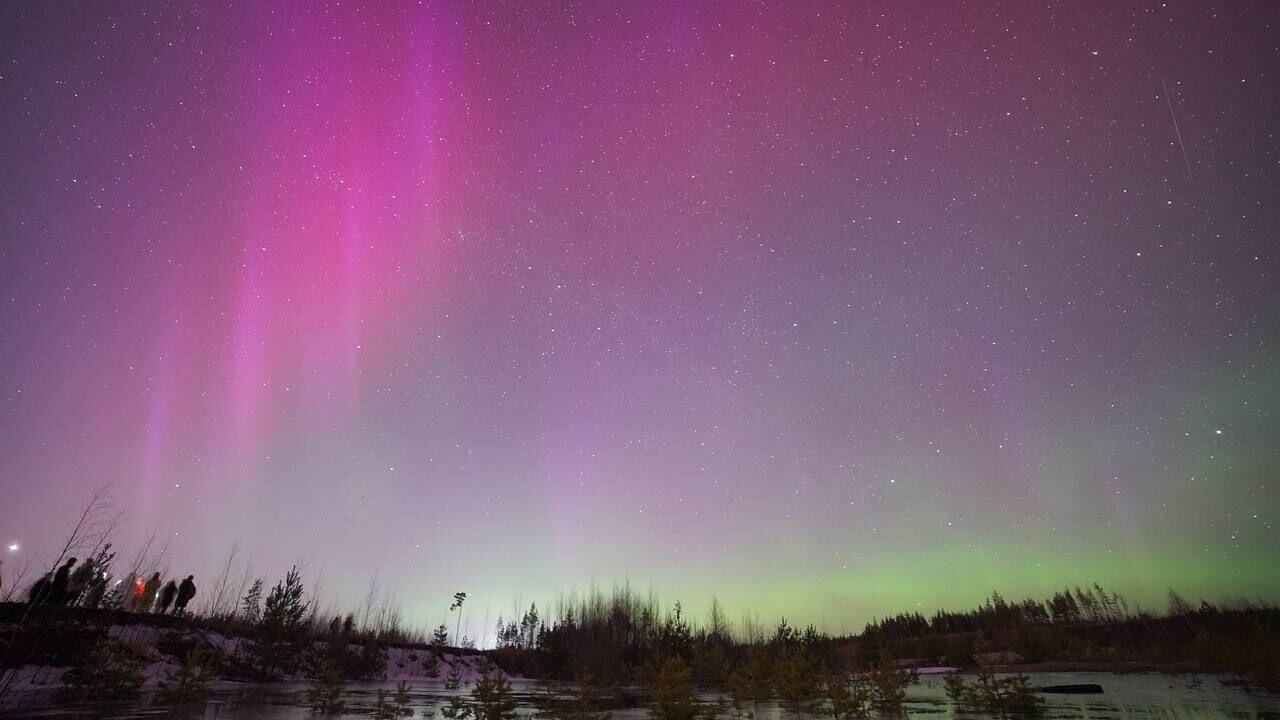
{"x": 828, "y": 310}
{"x": 741, "y": 622}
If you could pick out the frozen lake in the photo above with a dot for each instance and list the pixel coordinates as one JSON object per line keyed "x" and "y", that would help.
{"x": 1125, "y": 697}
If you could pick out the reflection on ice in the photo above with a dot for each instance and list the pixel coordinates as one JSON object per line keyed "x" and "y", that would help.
{"x": 1125, "y": 697}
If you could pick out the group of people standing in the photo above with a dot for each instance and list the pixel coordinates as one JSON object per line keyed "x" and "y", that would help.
{"x": 143, "y": 596}
{"x": 67, "y": 585}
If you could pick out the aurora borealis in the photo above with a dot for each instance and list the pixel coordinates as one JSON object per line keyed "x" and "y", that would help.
{"x": 828, "y": 309}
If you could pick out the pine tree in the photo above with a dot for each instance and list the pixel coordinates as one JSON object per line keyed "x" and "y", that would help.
{"x": 849, "y": 698}
{"x": 189, "y": 684}
{"x": 794, "y": 682}
{"x": 110, "y": 671}
{"x": 431, "y": 665}
{"x": 457, "y": 709}
{"x": 453, "y": 680}
{"x": 458, "y": 599}
{"x": 251, "y": 603}
{"x": 751, "y": 683}
{"x": 285, "y": 606}
{"x": 389, "y": 707}
{"x": 325, "y": 695}
{"x": 529, "y": 628}
{"x": 672, "y": 692}
{"x": 281, "y": 633}
{"x": 95, "y": 588}
{"x": 587, "y": 699}
{"x": 493, "y": 697}
{"x": 889, "y": 685}
{"x": 1005, "y": 696}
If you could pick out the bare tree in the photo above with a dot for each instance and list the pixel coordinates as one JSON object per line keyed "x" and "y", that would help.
{"x": 100, "y": 536}
{"x": 92, "y": 529}
{"x": 483, "y": 640}
{"x": 216, "y": 602}
{"x": 242, "y": 588}
{"x": 161, "y": 563}
{"x": 388, "y": 617}
{"x": 16, "y": 581}
{"x": 96, "y": 521}
{"x": 370, "y": 600}
{"x": 141, "y": 557}
{"x": 317, "y": 587}
{"x": 717, "y": 621}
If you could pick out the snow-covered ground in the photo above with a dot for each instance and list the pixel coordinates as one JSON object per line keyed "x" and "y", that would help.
{"x": 401, "y": 663}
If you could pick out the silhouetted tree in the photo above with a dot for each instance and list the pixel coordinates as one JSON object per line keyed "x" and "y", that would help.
{"x": 672, "y": 691}
{"x": 280, "y": 635}
{"x": 458, "y": 599}
{"x": 251, "y": 603}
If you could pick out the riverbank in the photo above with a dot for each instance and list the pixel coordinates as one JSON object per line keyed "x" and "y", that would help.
{"x": 50, "y": 648}
{"x": 399, "y": 663}
{"x": 1115, "y": 668}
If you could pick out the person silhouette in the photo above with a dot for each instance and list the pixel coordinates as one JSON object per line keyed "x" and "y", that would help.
{"x": 167, "y": 595}
{"x": 39, "y": 591}
{"x": 78, "y": 582}
{"x": 61, "y": 579}
{"x": 149, "y": 591}
{"x": 186, "y": 591}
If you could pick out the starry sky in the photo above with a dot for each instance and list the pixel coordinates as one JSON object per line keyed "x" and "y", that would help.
{"x": 825, "y": 308}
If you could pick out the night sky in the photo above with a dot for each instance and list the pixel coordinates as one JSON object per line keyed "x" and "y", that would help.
{"x": 828, "y": 309}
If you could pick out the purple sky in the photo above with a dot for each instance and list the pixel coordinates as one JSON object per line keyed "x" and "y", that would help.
{"x": 826, "y": 308}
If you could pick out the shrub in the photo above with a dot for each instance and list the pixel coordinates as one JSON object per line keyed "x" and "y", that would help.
{"x": 672, "y": 692}
{"x": 337, "y": 656}
{"x": 109, "y": 672}
{"x": 431, "y": 665}
{"x": 325, "y": 696}
{"x": 959, "y": 651}
{"x": 280, "y": 636}
{"x": 587, "y": 701}
{"x": 390, "y": 706}
{"x": 457, "y": 709}
{"x": 849, "y": 698}
{"x": 453, "y": 680}
{"x": 750, "y": 683}
{"x": 251, "y": 603}
{"x": 794, "y": 681}
{"x": 1011, "y": 695}
{"x": 493, "y": 697}
{"x": 888, "y": 686}
{"x": 189, "y": 684}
